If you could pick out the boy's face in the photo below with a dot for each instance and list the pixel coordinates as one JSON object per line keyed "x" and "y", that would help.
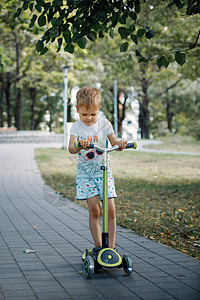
{"x": 88, "y": 116}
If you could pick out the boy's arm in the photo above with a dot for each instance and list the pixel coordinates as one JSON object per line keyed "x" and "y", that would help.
{"x": 71, "y": 147}
{"x": 114, "y": 141}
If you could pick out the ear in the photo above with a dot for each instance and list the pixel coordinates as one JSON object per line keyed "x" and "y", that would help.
{"x": 77, "y": 109}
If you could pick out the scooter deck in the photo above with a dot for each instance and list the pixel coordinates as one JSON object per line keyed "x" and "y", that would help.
{"x": 109, "y": 258}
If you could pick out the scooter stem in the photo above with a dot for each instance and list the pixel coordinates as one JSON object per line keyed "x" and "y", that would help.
{"x": 105, "y": 203}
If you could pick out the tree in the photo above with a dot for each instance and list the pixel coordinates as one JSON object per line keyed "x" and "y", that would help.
{"x": 73, "y": 22}
{"x": 16, "y": 35}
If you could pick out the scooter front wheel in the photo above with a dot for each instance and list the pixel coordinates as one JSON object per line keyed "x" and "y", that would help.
{"x": 88, "y": 267}
{"x": 127, "y": 264}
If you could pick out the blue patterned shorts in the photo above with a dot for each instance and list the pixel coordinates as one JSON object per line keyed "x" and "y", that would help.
{"x": 87, "y": 188}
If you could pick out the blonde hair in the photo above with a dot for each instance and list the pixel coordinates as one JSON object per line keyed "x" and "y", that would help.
{"x": 88, "y": 97}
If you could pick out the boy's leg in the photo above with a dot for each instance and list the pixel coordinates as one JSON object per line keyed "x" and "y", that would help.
{"x": 111, "y": 222}
{"x": 94, "y": 219}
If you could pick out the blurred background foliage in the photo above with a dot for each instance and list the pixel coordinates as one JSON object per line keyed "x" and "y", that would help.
{"x": 169, "y": 94}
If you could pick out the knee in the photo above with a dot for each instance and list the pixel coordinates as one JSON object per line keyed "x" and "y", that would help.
{"x": 95, "y": 211}
{"x": 112, "y": 212}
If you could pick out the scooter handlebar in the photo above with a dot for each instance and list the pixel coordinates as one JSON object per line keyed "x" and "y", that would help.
{"x": 131, "y": 145}
{"x": 77, "y": 144}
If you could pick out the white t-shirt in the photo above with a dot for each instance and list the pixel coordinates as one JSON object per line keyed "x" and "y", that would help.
{"x": 89, "y": 162}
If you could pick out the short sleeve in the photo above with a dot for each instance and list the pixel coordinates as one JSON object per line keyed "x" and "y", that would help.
{"x": 74, "y": 129}
{"x": 108, "y": 128}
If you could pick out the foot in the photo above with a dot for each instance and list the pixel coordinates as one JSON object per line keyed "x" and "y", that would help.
{"x": 95, "y": 252}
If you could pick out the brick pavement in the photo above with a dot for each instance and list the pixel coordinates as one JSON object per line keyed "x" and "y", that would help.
{"x": 33, "y": 216}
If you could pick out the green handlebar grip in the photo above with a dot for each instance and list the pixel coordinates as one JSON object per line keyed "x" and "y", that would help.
{"x": 131, "y": 145}
{"x": 77, "y": 144}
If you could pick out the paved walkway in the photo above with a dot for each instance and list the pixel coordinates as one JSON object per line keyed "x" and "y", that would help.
{"x": 32, "y": 216}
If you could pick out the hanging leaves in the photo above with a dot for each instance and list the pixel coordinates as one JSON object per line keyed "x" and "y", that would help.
{"x": 69, "y": 48}
{"x": 124, "y": 32}
{"x": 104, "y": 17}
{"x": 124, "y": 47}
{"x": 82, "y": 43}
{"x": 42, "y": 20}
{"x": 180, "y": 58}
{"x": 162, "y": 62}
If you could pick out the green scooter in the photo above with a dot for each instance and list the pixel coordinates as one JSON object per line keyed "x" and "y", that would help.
{"x": 106, "y": 257}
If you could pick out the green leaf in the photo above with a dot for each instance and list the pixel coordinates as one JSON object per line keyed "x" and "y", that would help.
{"x": 178, "y": 3}
{"x": 82, "y": 43}
{"x": 138, "y": 53}
{"x": 42, "y": 20}
{"x": 162, "y": 61}
{"x": 60, "y": 40}
{"x": 44, "y": 50}
{"x": 141, "y": 32}
{"x": 142, "y": 59}
{"x": 133, "y": 15}
{"x": 149, "y": 34}
{"x": 56, "y": 21}
{"x": 38, "y": 8}
{"x": 137, "y": 6}
{"x": 134, "y": 38}
{"x": 180, "y": 58}
{"x": 131, "y": 28}
{"x": 191, "y": 46}
{"x": 76, "y": 36}
{"x": 101, "y": 34}
{"x": 34, "y": 17}
{"x": 25, "y": 6}
{"x": 18, "y": 12}
{"x": 39, "y": 46}
{"x": 53, "y": 33}
{"x": 130, "y": 57}
{"x": 124, "y": 32}
{"x": 69, "y": 48}
{"x": 57, "y": 2}
{"x": 67, "y": 36}
{"x": 31, "y": 6}
{"x": 92, "y": 36}
{"x": 40, "y": 2}
{"x": 124, "y": 47}
{"x": 96, "y": 26}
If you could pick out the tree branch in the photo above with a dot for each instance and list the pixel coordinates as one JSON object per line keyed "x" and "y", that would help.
{"x": 168, "y": 88}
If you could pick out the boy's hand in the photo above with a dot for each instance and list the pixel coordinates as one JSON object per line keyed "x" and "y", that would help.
{"x": 85, "y": 144}
{"x": 122, "y": 145}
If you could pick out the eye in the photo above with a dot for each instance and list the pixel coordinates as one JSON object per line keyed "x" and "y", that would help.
{"x": 84, "y": 115}
{"x": 93, "y": 115}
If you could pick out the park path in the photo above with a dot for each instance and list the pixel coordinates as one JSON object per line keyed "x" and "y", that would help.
{"x": 33, "y": 216}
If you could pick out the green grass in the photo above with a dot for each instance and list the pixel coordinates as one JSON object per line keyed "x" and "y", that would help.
{"x": 158, "y": 194}
{"x": 177, "y": 143}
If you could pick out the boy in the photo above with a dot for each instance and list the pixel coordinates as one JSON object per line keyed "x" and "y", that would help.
{"x": 89, "y": 181}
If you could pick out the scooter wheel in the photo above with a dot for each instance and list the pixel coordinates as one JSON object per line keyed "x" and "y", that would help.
{"x": 127, "y": 264}
{"x": 88, "y": 267}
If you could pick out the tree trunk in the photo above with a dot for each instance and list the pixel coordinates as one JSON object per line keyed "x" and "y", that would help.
{"x": 1, "y": 101}
{"x": 19, "y": 101}
{"x": 8, "y": 101}
{"x": 144, "y": 120}
{"x": 169, "y": 116}
{"x": 33, "y": 94}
